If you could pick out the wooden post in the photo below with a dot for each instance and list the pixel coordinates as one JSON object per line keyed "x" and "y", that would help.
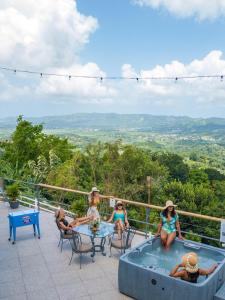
{"x": 149, "y": 182}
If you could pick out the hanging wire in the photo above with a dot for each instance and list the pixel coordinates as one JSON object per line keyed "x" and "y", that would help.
{"x": 101, "y": 78}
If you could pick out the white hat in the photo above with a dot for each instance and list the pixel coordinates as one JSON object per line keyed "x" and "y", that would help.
{"x": 169, "y": 203}
{"x": 94, "y": 189}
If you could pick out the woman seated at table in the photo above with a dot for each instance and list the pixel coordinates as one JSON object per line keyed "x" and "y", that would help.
{"x": 190, "y": 270}
{"x": 65, "y": 225}
{"x": 93, "y": 204}
{"x": 168, "y": 224}
{"x": 119, "y": 217}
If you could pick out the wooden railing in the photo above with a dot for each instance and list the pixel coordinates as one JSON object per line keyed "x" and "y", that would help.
{"x": 135, "y": 203}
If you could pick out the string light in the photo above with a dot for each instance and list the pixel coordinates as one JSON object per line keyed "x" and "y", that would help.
{"x": 221, "y": 77}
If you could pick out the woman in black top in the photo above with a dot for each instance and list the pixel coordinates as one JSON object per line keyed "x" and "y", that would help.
{"x": 190, "y": 270}
{"x": 65, "y": 225}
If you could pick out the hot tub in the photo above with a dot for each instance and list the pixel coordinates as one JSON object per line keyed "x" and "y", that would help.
{"x": 144, "y": 271}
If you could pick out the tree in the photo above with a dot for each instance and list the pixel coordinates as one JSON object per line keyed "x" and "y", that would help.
{"x": 23, "y": 146}
{"x": 213, "y": 174}
{"x": 198, "y": 176}
{"x": 177, "y": 168}
{"x": 29, "y": 143}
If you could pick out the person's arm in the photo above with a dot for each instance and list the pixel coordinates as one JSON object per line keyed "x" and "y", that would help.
{"x": 159, "y": 228}
{"x": 178, "y": 229}
{"x": 111, "y": 218}
{"x": 64, "y": 227}
{"x": 207, "y": 271}
{"x": 175, "y": 273}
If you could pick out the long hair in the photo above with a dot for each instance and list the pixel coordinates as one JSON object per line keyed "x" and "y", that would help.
{"x": 58, "y": 214}
{"x": 165, "y": 212}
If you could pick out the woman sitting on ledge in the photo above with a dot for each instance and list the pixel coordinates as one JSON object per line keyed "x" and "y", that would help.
{"x": 168, "y": 225}
{"x": 190, "y": 270}
{"x": 65, "y": 225}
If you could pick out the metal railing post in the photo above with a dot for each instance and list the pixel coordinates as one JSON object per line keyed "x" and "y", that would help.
{"x": 147, "y": 227}
{"x": 37, "y": 197}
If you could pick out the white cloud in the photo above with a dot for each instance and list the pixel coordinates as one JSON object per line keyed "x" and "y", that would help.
{"x": 47, "y": 36}
{"x": 43, "y": 33}
{"x": 162, "y": 92}
{"x": 201, "y": 9}
{"x": 82, "y": 89}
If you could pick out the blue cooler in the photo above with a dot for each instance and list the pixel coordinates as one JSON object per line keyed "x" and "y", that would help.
{"x": 23, "y": 218}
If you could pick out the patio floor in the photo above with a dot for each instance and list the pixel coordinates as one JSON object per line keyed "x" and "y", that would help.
{"x": 36, "y": 269}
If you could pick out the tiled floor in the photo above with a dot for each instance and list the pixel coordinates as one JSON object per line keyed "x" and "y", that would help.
{"x": 36, "y": 269}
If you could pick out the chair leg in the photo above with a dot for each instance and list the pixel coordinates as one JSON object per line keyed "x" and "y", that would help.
{"x": 110, "y": 251}
{"x": 71, "y": 258}
{"x": 59, "y": 242}
{"x": 80, "y": 259}
{"x": 61, "y": 245}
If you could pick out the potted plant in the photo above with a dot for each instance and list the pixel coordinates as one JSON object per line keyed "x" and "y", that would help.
{"x": 95, "y": 225}
{"x": 12, "y": 192}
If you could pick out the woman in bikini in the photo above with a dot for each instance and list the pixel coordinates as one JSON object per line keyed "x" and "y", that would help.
{"x": 168, "y": 224}
{"x": 119, "y": 217}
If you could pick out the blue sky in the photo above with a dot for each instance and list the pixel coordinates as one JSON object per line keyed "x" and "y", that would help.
{"x": 126, "y": 38}
{"x": 145, "y": 37}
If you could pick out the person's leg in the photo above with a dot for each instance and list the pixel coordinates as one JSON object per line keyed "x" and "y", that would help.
{"x": 84, "y": 219}
{"x": 170, "y": 239}
{"x": 121, "y": 225}
{"x": 163, "y": 236}
{"x": 119, "y": 228}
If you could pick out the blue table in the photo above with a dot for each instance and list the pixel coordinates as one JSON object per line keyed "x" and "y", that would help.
{"x": 23, "y": 218}
{"x": 105, "y": 229}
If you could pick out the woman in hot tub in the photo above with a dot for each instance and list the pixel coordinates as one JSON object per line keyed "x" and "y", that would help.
{"x": 169, "y": 223}
{"x": 190, "y": 270}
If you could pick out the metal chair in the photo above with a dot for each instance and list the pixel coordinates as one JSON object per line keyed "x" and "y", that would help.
{"x": 63, "y": 236}
{"x": 80, "y": 248}
{"x": 124, "y": 242}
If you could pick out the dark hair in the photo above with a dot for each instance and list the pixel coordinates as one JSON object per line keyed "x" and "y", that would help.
{"x": 165, "y": 212}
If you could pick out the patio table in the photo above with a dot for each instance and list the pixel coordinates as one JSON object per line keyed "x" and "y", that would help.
{"x": 105, "y": 229}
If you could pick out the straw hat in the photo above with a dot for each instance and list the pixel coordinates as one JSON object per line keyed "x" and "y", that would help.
{"x": 94, "y": 189}
{"x": 169, "y": 203}
{"x": 119, "y": 202}
{"x": 190, "y": 262}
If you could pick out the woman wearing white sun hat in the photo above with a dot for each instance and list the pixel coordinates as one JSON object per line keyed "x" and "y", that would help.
{"x": 94, "y": 200}
{"x": 190, "y": 270}
{"x": 169, "y": 223}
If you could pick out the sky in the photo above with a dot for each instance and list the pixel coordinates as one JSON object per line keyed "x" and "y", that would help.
{"x": 122, "y": 38}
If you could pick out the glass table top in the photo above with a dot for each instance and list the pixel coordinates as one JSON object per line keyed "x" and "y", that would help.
{"x": 105, "y": 229}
